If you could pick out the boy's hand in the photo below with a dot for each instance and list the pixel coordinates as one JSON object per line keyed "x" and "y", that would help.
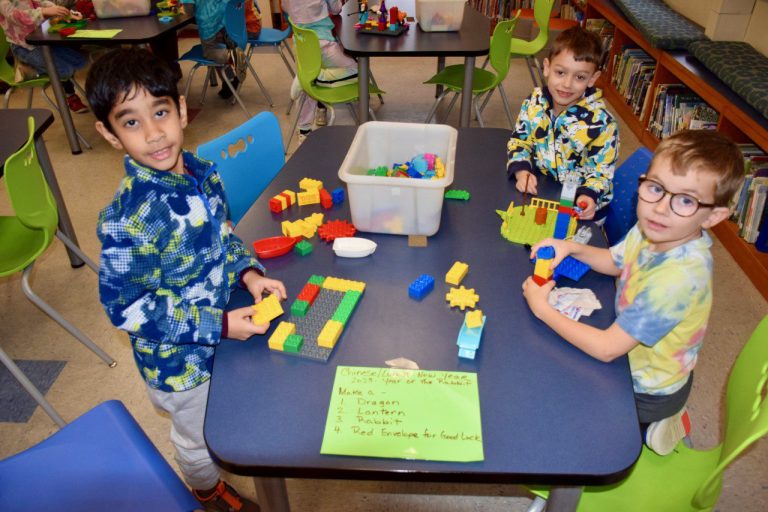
{"x": 239, "y": 325}
{"x": 562, "y": 249}
{"x": 258, "y": 284}
{"x": 55, "y": 11}
{"x": 537, "y": 295}
{"x": 525, "y": 182}
{"x": 588, "y": 211}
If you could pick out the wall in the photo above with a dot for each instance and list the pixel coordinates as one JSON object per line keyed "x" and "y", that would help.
{"x": 695, "y": 10}
{"x": 756, "y": 32}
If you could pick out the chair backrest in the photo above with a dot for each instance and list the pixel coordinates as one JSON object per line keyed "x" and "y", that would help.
{"x": 27, "y": 188}
{"x": 499, "y": 52}
{"x": 622, "y": 210}
{"x": 542, "y": 9}
{"x": 746, "y": 410}
{"x": 308, "y": 56}
{"x": 234, "y": 22}
{"x": 247, "y": 158}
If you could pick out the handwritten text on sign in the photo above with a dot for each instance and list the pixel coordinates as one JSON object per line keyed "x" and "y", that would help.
{"x": 408, "y": 414}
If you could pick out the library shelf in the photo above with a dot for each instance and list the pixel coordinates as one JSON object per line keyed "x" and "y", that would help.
{"x": 737, "y": 119}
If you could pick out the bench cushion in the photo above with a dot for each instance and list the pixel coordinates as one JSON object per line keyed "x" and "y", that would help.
{"x": 661, "y": 26}
{"x": 739, "y": 66}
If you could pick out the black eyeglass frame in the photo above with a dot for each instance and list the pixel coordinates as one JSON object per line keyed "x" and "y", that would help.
{"x": 671, "y": 195}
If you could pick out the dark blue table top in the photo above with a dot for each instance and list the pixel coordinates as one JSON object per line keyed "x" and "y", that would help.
{"x": 550, "y": 413}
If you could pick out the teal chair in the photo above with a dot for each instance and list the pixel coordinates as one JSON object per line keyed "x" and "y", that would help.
{"x": 451, "y": 78}
{"x": 25, "y": 236}
{"x": 247, "y": 159}
{"x": 308, "y": 65}
{"x": 275, "y": 40}
{"x": 691, "y": 480}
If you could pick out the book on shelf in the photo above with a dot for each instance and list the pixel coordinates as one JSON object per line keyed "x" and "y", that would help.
{"x": 605, "y": 30}
{"x": 754, "y": 213}
{"x": 675, "y": 108}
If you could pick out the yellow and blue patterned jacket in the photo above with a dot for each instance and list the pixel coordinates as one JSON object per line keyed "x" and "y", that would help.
{"x": 583, "y": 138}
{"x": 169, "y": 260}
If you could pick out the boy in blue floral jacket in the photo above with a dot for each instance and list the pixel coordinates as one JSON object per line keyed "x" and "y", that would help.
{"x": 565, "y": 127}
{"x": 169, "y": 258}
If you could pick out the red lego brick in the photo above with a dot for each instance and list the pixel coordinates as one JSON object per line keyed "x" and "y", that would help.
{"x": 325, "y": 199}
{"x": 540, "y": 280}
{"x": 334, "y": 229}
{"x": 566, "y": 209}
{"x": 309, "y": 293}
{"x": 275, "y": 205}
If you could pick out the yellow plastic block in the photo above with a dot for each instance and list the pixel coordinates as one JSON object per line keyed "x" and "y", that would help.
{"x": 291, "y": 228}
{"x": 343, "y": 285}
{"x": 542, "y": 269}
{"x": 310, "y": 184}
{"x": 267, "y": 310}
{"x": 457, "y": 273}
{"x": 291, "y": 194}
{"x": 439, "y": 168}
{"x": 330, "y": 334}
{"x": 473, "y": 319}
{"x": 316, "y": 219}
{"x": 462, "y": 297}
{"x": 309, "y": 197}
{"x": 281, "y": 332}
{"x": 308, "y": 229}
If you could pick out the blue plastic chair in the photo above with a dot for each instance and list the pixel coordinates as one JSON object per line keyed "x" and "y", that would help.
{"x": 247, "y": 158}
{"x": 103, "y": 460}
{"x": 275, "y": 40}
{"x": 622, "y": 210}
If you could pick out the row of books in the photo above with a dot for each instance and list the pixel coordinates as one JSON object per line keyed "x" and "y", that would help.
{"x": 675, "y": 108}
{"x": 632, "y": 76}
{"x": 749, "y": 210}
{"x": 605, "y": 30}
{"x": 573, "y": 9}
{"x": 501, "y": 9}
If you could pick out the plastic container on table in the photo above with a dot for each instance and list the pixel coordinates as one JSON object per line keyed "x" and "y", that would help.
{"x": 121, "y": 8}
{"x": 440, "y": 15}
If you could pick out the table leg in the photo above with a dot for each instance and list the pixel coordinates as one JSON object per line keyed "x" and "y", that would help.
{"x": 563, "y": 499}
{"x": 363, "y": 64}
{"x": 61, "y": 101}
{"x": 65, "y": 224}
{"x": 440, "y": 67}
{"x": 466, "y": 92}
{"x": 272, "y": 494}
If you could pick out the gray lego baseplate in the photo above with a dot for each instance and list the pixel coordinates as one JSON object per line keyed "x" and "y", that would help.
{"x": 310, "y": 325}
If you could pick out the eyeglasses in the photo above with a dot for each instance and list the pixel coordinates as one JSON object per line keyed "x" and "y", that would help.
{"x": 683, "y": 205}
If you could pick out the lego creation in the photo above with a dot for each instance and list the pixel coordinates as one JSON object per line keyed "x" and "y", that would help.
{"x": 469, "y": 337}
{"x": 267, "y": 310}
{"x": 421, "y": 287}
{"x": 317, "y": 318}
{"x": 523, "y": 229}
{"x": 281, "y": 201}
{"x": 456, "y": 273}
{"x": 462, "y": 297}
{"x": 542, "y": 273}
{"x": 378, "y": 21}
{"x": 353, "y": 247}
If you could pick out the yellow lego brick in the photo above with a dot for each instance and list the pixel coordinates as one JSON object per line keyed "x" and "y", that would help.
{"x": 343, "y": 285}
{"x": 542, "y": 268}
{"x": 457, "y": 273}
{"x": 283, "y": 201}
{"x": 310, "y": 184}
{"x": 291, "y": 194}
{"x": 473, "y": 319}
{"x": 291, "y": 228}
{"x": 281, "y": 332}
{"x": 316, "y": 219}
{"x": 439, "y": 168}
{"x": 308, "y": 229}
{"x": 308, "y": 197}
{"x": 266, "y": 310}
{"x": 462, "y": 297}
{"x": 330, "y": 334}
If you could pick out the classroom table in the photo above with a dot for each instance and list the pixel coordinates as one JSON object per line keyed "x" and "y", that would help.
{"x": 13, "y": 135}
{"x": 471, "y": 40}
{"x": 551, "y": 414}
{"x": 136, "y": 30}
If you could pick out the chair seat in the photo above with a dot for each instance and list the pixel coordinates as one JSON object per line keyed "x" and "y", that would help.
{"x": 19, "y": 245}
{"x": 195, "y": 54}
{"x": 452, "y": 77}
{"x": 343, "y": 94}
{"x": 270, "y": 36}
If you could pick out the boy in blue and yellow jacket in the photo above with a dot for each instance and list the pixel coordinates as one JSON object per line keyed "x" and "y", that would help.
{"x": 565, "y": 127}
{"x": 169, "y": 258}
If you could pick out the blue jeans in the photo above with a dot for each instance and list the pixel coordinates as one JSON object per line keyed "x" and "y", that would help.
{"x": 67, "y": 60}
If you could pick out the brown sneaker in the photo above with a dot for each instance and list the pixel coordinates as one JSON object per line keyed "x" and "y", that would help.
{"x": 224, "y": 498}
{"x": 76, "y": 104}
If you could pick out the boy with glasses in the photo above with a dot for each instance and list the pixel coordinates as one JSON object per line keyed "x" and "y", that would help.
{"x": 664, "y": 286}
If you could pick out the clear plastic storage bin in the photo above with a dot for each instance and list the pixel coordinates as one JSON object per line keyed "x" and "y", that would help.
{"x": 440, "y": 15}
{"x": 121, "y": 8}
{"x": 399, "y": 206}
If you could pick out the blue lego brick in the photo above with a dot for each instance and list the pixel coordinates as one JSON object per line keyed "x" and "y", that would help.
{"x": 561, "y": 226}
{"x": 337, "y": 195}
{"x": 571, "y": 268}
{"x": 421, "y": 286}
{"x": 547, "y": 252}
{"x": 469, "y": 338}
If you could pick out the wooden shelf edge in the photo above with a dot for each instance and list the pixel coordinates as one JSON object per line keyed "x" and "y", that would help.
{"x": 753, "y": 262}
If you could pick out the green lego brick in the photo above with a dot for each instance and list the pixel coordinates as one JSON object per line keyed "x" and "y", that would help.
{"x": 566, "y": 202}
{"x": 315, "y": 279}
{"x": 461, "y": 195}
{"x": 293, "y": 343}
{"x": 299, "y": 307}
{"x": 303, "y": 248}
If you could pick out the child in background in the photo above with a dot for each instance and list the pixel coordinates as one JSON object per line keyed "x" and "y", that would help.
{"x": 564, "y": 126}
{"x": 664, "y": 270}
{"x": 19, "y": 18}
{"x": 169, "y": 258}
{"x": 252, "y": 19}
{"x": 338, "y": 67}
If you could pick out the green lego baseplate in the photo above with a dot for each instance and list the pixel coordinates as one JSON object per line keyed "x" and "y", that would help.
{"x": 521, "y": 228}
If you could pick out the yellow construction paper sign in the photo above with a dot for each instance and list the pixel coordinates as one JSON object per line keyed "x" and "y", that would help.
{"x": 97, "y": 34}
{"x": 404, "y": 414}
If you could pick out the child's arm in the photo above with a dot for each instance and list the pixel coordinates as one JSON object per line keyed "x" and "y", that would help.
{"x": 599, "y": 163}
{"x": 334, "y": 6}
{"x": 520, "y": 151}
{"x": 598, "y": 258}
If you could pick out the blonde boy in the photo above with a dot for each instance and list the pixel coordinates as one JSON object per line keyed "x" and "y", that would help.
{"x": 664, "y": 270}
{"x": 565, "y": 127}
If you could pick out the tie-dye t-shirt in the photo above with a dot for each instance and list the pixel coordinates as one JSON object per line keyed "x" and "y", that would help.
{"x": 663, "y": 301}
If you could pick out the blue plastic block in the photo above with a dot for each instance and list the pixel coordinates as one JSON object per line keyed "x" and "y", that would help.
{"x": 421, "y": 286}
{"x": 337, "y": 195}
{"x": 467, "y": 353}
{"x": 546, "y": 253}
{"x": 469, "y": 338}
{"x": 571, "y": 268}
{"x": 561, "y": 226}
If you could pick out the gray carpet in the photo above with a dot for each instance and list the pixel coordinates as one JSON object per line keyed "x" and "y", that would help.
{"x": 16, "y": 405}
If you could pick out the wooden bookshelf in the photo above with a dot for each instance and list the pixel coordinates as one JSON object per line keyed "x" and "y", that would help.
{"x": 737, "y": 119}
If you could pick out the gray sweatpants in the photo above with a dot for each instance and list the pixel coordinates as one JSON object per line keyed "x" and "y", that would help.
{"x": 187, "y": 410}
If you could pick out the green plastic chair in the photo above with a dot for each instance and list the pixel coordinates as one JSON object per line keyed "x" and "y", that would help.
{"x": 518, "y": 48}
{"x": 308, "y": 65}
{"x": 8, "y": 77}
{"x": 692, "y": 479}
{"x": 483, "y": 81}
{"x": 25, "y": 236}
